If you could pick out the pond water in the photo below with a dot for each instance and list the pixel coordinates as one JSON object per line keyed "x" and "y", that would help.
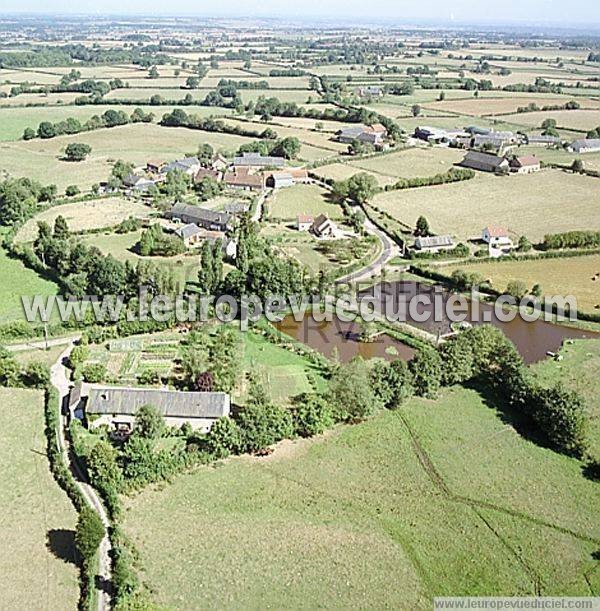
{"x": 532, "y": 339}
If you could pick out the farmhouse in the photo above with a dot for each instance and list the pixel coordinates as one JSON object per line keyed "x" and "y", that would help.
{"x": 304, "y": 222}
{"x": 154, "y": 166}
{"x": 434, "y": 244}
{"x": 191, "y": 235}
{"x": 203, "y": 173}
{"x": 498, "y": 240}
{"x": 209, "y": 219}
{"x": 219, "y": 162}
{"x": 369, "y": 134}
{"x": 116, "y": 407}
{"x": 525, "y": 164}
{"x": 588, "y": 145}
{"x": 236, "y": 208}
{"x": 494, "y": 139}
{"x": 241, "y": 178}
{"x": 323, "y": 227}
{"x": 188, "y": 165}
{"x": 137, "y": 183}
{"x": 370, "y": 91}
{"x": 438, "y": 135}
{"x": 485, "y": 162}
{"x": 256, "y": 160}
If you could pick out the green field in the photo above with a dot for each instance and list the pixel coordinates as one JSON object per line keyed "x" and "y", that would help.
{"x": 288, "y": 203}
{"x": 579, "y": 370}
{"x": 546, "y": 202}
{"x": 365, "y": 518}
{"x": 37, "y": 570}
{"x": 569, "y": 276}
{"x": 16, "y": 281}
{"x": 41, "y": 159}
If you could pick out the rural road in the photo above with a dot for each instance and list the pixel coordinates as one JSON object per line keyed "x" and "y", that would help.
{"x": 389, "y": 251}
{"x": 60, "y": 380}
{"x": 257, "y": 214}
{"x": 42, "y": 344}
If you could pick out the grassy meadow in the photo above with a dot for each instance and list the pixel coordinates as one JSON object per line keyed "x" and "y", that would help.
{"x": 578, "y": 276}
{"x": 288, "y": 203}
{"x": 550, "y": 201}
{"x": 375, "y": 516}
{"x": 37, "y": 568}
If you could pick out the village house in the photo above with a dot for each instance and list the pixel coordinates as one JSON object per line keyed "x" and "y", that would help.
{"x": 525, "y": 164}
{"x": 116, "y": 407}
{"x": 203, "y": 173}
{"x": 135, "y": 182}
{"x": 256, "y": 160}
{"x": 208, "y": 219}
{"x": 368, "y": 134}
{"x": 154, "y": 166}
{"x": 542, "y": 140}
{"x": 229, "y": 244}
{"x": 219, "y": 163}
{"x": 439, "y": 136}
{"x": 236, "y": 208}
{"x": 188, "y": 165}
{"x": 191, "y": 235}
{"x": 498, "y": 241}
{"x": 304, "y": 222}
{"x": 370, "y": 91}
{"x": 241, "y": 178}
{"x": 434, "y": 244}
{"x": 324, "y": 227}
{"x": 485, "y": 162}
{"x": 496, "y": 140}
{"x": 588, "y": 145}
{"x": 278, "y": 180}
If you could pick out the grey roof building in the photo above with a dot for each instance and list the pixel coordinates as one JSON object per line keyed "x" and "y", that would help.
{"x": 586, "y": 145}
{"x": 189, "y": 165}
{"x": 209, "y": 219}
{"x": 486, "y": 162}
{"x": 257, "y": 160}
{"x": 434, "y": 243}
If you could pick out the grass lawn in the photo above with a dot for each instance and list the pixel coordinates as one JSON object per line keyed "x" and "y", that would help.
{"x": 289, "y": 202}
{"x": 17, "y": 280}
{"x": 579, "y": 370}
{"x": 569, "y": 276}
{"x": 38, "y": 521}
{"x": 546, "y": 202}
{"x": 358, "y": 518}
{"x": 40, "y": 159}
{"x": 412, "y": 163}
{"x": 343, "y": 171}
{"x": 85, "y": 215}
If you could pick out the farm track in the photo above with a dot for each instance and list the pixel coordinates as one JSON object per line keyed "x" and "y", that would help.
{"x": 476, "y": 505}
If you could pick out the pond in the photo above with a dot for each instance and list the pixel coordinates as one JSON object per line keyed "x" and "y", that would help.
{"x": 532, "y": 339}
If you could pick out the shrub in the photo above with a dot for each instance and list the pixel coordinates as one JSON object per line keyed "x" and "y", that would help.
{"x": 224, "y": 438}
{"x": 89, "y": 533}
{"x": 312, "y": 415}
{"x": 351, "y": 393}
{"x": 426, "y": 368}
{"x": 94, "y": 373}
{"x": 264, "y": 425}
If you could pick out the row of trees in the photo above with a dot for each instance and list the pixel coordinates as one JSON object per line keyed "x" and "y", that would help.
{"x": 572, "y": 239}
{"x": 72, "y": 125}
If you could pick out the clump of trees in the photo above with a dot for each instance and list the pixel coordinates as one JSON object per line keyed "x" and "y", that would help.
{"x": 155, "y": 241}
{"x": 77, "y": 151}
{"x": 571, "y": 239}
{"x": 19, "y": 199}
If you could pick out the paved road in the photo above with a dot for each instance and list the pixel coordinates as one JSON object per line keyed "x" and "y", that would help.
{"x": 389, "y": 250}
{"x": 60, "y": 380}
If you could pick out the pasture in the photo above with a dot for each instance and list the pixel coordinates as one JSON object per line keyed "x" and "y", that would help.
{"x": 366, "y": 516}
{"x": 87, "y": 215}
{"x": 41, "y": 159}
{"x": 37, "y": 568}
{"x": 550, "y": 201}
{"x": 570, "y": 276}
{"x": 288, "y": 203}
{"x": 17, "y": 281}
{"x": 579, "y": 370}
{"x": 584, "y": 119}
{"x": 412, "y": 162}
{"x": 343, "y": 171}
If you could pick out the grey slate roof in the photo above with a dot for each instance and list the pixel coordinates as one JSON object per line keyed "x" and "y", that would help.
{"x": 181, "y": 164}
{"x": 483, "y": 161}
{"x": 236, "y": 207}
{"x": 195, "y": 213}
{"x": 351, "y": 133}
{"x": 256, "y": 159}
{"x": 187, "y": 231}
{"x": 171, "y": 403}
{"x": 436, "y": 241}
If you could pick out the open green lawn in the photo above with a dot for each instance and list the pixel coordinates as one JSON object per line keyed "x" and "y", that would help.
{"x": 569, "y": 276}
{"x": 17, "y": 280}
{"x": 41, "y": 159}
{"x": 367, "y": 516}
{"x": 546, "y": 202}
{"x": 343, "y": 171}
{"x": 579, "y": 370}
{"x": 37, "y": 570}
{"x": 289, "y": 202}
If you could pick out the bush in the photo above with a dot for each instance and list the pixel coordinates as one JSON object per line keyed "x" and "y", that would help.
{"x": 426, "y": 369}
{"x": 351, "y": 393}
{"x": 312, "y": 415}
{"x": 89, "y": 533}
{"x": 94, "y": 373}
{"x": 224, "y": 438}
{"x": 263, "y": 425}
